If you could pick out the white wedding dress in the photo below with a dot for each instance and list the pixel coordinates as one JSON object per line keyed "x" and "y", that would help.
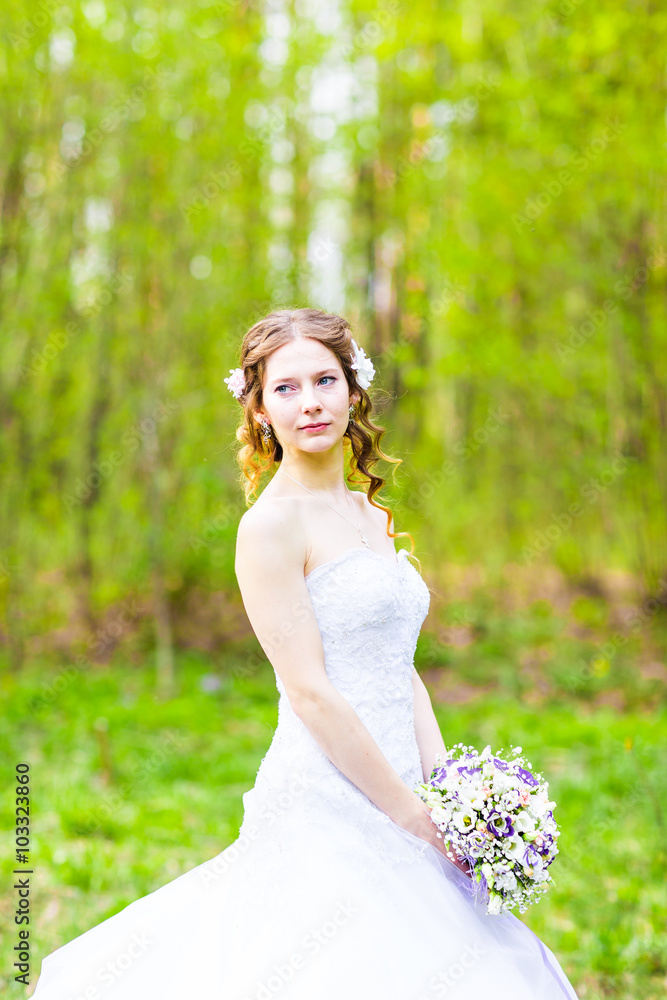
{"x": 322, "y": 896}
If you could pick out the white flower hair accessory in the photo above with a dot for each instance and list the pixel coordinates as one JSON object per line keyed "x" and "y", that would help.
{"x": 236, "y": 382}
{"x": 363, "y": 366}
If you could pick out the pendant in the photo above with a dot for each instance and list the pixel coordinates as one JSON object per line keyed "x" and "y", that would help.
{"x": 364, "y": 539}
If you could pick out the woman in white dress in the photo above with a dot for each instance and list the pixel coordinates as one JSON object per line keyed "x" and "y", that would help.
{"x": 338, "y": 883}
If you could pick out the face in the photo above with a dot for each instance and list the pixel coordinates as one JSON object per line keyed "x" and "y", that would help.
{"x": 304, "y": 384}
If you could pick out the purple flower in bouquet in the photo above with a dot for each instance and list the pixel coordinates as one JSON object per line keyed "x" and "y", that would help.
{"x": 547, "y": 848}
{"x": 499, "y": 825}
{"x": 477, "y": 841}
{"x": 468, "y": 771}
{"x": 527, "y": 778}
{"x": 531, "y": 857}
{"x": 442, "y": 770}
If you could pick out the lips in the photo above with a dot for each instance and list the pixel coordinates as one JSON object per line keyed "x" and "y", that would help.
{"x": 309, "y": 427}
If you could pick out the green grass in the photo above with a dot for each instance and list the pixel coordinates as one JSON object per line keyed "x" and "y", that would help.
{"x": 128, "y": 792}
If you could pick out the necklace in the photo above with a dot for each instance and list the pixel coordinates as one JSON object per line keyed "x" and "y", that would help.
{"x": 356, "y": 513}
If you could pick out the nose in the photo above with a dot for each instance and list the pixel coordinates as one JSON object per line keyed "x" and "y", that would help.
{"x": 309, "y": 400}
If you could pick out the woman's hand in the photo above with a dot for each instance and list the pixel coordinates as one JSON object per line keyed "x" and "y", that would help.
{"x": 421, "y": 824}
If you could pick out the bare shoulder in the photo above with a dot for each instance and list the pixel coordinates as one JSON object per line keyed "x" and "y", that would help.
{"x": 269, "y": 533}
{"x": 375, "y": 512}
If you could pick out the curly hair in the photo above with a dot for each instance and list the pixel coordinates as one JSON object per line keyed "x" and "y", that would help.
{"x": 362, "y": 437}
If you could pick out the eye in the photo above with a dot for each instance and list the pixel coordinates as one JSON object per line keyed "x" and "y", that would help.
{"x": 285, "y": 386}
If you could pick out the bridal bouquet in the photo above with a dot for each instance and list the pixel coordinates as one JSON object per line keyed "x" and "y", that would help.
{"x": 496, "y": 815}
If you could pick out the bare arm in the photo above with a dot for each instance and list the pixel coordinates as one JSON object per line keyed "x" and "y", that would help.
{"x": 427, "y": 730}
{"x": 429, "y": 739}
{"x": 270, "y": 557}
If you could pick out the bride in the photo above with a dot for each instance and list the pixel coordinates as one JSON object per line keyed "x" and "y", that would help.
{"x": 338, "y": 883}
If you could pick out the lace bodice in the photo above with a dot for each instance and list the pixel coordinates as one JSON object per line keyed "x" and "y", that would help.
{"x": 369, "y": 610}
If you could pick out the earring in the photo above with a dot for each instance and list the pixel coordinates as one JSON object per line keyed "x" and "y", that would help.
{"x": 351, "y": 411}
{"x": 266, "y": 431}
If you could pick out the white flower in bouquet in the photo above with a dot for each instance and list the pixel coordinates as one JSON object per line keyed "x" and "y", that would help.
{"x": 464, "y": 819}
{"x": 515, "y": 848}
{"x": 473, "y": 797}
{"x": 495, "y": 904}
{"x": 487, "y": 872}
{"x": 524, "y": 822}
{"x": 539, "y": 804}
{"x": 510, "y": 800}
{"x": 505, "y": 880}
{"x": 440, "y": 815}
{"x": 502, "y": 783}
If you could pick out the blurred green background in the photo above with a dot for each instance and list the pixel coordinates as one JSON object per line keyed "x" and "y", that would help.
{"x": 480, "y": 189}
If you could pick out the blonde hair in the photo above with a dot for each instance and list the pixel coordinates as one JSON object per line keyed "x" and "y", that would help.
{"x": 362, "y": 437}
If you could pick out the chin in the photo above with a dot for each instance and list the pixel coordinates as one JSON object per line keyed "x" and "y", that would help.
{"x": 315, "y": 442}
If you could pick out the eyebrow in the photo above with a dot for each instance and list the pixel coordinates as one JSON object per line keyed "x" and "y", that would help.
{"x": 293, "y": 378}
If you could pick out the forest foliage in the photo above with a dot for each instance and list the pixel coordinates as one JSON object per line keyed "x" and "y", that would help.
{"x": 479, "y": 187}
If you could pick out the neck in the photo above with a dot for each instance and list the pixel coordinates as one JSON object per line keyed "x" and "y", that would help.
{"x": 320, "y": 473}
